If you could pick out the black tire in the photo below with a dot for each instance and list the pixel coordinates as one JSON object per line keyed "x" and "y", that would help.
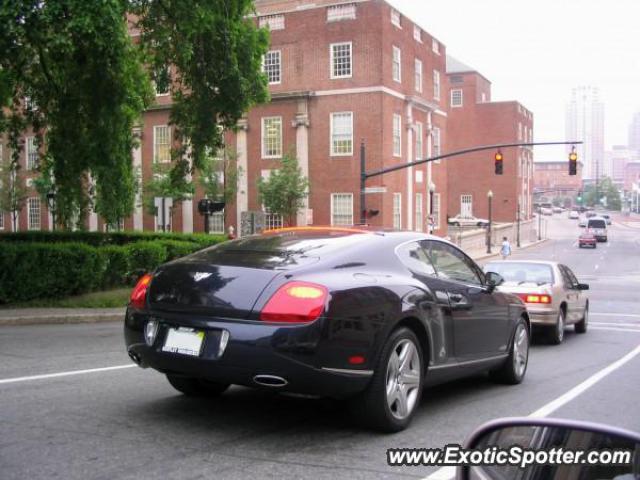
{"x": 371, "y": 407}
{"x": 195, "y": 387}
{"x": 556, "y": 333}
{"x": 581, "y": 326}
{"x": 511, "y": 372}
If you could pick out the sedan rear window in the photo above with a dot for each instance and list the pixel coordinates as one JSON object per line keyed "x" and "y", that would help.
{"x": 521, "y": 273}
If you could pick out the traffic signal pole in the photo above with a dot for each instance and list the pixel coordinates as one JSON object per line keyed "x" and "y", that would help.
{"x": 364, "y": 175}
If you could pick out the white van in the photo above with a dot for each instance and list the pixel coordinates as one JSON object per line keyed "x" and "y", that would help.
{"x": 598, "y": 226}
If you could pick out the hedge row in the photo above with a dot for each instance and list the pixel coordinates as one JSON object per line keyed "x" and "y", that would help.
{"x": 30, "y": 270}
{"x": 99, "y": 239}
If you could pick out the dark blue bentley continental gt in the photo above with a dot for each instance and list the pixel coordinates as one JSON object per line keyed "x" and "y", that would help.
{"x": 369, "y": 316}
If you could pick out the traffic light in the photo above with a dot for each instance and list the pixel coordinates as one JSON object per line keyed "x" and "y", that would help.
{"x": 499, "y": 163}
{"x": 573, "y": 162}
{"x": 579, "y": 197}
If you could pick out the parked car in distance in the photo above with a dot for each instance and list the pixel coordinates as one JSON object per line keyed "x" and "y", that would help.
{"x": 607, "y": 218}
{"x": 583, "y": 222}
{"x": 551, "y": 292}
{"x": 557, "y": 209}
{"x": 587, "y": 239}
{"x": 365, "y": 315}
{"x": 546, "y": 211}
{"x": 598, "y": 226}
{"x": 574, "y": 215}
{"x": 463, "y": 221}
{"x": 590, "y": 214}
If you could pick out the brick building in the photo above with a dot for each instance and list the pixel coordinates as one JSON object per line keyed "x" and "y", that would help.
{"x": 553, "y": 178}
{"x": 476, "y": 120}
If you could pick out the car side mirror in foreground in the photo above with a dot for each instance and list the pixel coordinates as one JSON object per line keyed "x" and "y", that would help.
{"x": 550, "y": 449}
{"x": 493, "y": 279}
{"x": 583, "y": 286}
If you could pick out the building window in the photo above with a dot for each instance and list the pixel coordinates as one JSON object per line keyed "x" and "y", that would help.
{"x": 32, "y": 153}
{"x": 216, "y": 222}
{"x": 341, "y": 12}
{"x": 341, "y": 60}
{"x": 341, "y": 209}
{"x": 397, "y": 211}
{"x": 1, "y": 220}
{"x": 417, "y": 34}
{"x": 466, "y": 206}
{"x": 33, "y": 212}
{"x": 114, "y": 227}
{"x": 397, "y": 135}
{"x": 272, "y": 22}
{"x": 419, "y": 143}
{"x": 272, "y": 66}
{"x": 437, "y": 149}
{"x": 342, "y": 133}
{"x": 435, "y": 46}
{"x": 271, "y": 137}
{"x": 419, "y": 176}
{"x": 161, "y": 144}
{"x": 397, "y": 65}
{"x": 419, "y": 212}
{"x": 483, "y": 97}
{"x": 418, "y": 66}
{"x": 436, "y": 211}
{"x": 273, "y": 220}
{"x": 520, "y": 131}
{"x": 162, "y": 81}
{"x": 436, "y": 85}
{"x": 456, "y": 97}
{"x": 395, "y": 18}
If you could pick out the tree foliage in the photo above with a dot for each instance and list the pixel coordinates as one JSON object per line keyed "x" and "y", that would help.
{"x": 13, "y": 194}
{"x": 607, "y": 194}
{"x": 216, "y": 52}
{"x": 75, "y": 62}
{"x": 285, "y": 189}
{"x": 219, "y": 176}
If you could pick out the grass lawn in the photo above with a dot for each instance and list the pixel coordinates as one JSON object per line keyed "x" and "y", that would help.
{"x": 107, "y": 299}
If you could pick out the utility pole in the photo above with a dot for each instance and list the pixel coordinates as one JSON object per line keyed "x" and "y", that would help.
{"x": 363, "y": 182}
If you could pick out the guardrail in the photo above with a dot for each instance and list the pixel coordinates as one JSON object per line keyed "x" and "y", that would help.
{"x": 474, "y": 241}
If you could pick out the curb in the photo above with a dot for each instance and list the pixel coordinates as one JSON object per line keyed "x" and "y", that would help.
{"x": 497, "y": 254}
{"x": 59, "y": 319}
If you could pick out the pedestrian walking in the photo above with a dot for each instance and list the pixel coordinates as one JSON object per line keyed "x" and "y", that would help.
{"x": 505, "y": 250}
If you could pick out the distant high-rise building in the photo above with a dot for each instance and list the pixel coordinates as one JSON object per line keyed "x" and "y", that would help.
{"x": 585, "y": 121}
{"x": 634, "y": 133}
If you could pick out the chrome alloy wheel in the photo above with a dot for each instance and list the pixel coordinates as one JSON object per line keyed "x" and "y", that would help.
{"x": 520, "y": 350}
{"x": 403, "y": 378}
{"x": 560, "y": 327}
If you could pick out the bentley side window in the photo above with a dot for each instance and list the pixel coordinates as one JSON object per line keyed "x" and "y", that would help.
{"x": 452, "y": 264}
{"x": 415, "y": 259}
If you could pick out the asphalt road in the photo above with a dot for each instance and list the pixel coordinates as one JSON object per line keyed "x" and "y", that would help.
{"x": 129, "y": 423}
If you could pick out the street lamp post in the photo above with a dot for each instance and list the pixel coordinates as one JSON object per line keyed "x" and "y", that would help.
{"x": 51, "y": 203}
{"x": 518, "y": 214}
{"x": 489, "y": 198}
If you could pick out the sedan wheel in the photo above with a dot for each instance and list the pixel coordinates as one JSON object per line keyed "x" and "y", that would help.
{"x": 581, "y": 326}
{"x": 389, "y": 402}
{"x": 557, "y": 331}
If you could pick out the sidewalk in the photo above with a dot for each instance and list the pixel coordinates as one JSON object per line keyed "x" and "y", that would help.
{"x": 49, "y": 316}
{"x": 483, "y": 255}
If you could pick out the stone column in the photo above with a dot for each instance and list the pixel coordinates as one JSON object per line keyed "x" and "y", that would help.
{"x": 137, "y": 170}
{"x": 187, "y": 208}
{"x": 242, "y": 197}
{"x": 301, "y": 123}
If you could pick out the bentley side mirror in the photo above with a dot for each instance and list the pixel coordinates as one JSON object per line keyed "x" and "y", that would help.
{"x": 543, "y": 448}
{"x": 493, "y": 279}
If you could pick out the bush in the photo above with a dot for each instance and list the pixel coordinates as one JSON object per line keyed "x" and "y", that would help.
{"x": 176, "y": 249}
{"x": 145, "y": 256}
{"x": 116, "y": 261}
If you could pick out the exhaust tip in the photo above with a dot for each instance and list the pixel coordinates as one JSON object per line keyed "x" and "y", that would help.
{"x": 270, "y": 381}
{"x": 136, "y": 359}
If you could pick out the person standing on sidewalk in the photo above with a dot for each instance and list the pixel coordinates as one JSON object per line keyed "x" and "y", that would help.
{"x": 505, "y": 250}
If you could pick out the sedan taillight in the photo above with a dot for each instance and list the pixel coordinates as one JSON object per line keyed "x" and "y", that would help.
{"x": 535, "y": 298}
{"x": 139, "y": 294}
{"x": 295, "y": 302}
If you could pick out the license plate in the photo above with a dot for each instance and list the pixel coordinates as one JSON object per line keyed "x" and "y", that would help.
{"x": 185, "y": 341}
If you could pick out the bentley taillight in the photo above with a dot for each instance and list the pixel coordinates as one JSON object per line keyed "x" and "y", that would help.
{"x": 139, "y": 294}
{"x": 295, "y": 302}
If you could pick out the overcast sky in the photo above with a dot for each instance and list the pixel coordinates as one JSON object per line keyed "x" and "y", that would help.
{"x": 536, "y": 51}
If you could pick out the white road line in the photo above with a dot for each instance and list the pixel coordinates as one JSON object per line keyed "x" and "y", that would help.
{"x": 64, "y": 374}
{"x": 607, "y": 314}
{"x": 616, "y": 324}
{"x": 616, "y": 329}
{"x": 448, "y": 473}
{"x": 554, "y": 405}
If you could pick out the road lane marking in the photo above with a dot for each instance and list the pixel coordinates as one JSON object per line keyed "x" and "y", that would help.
{"x": 65, "y": 374}
{"x": 617, "y": 324}
{"x": 616, "y": 329}
{"x": 606, "y": 314}
{"x": 562, "y": 400}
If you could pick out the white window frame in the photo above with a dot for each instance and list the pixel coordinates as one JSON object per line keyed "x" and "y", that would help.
{"x": 436, "y": 211}
{"x": 436, "y": 85}
{"x": 435, "y": 46}
{"x": 520, "y": 131}
{"x": 333, "y": 58}
{"x": 272, "y": 68}
{"x": 335, "y": 152}
{"x": 346, "y": 11}
{"x": 419, "y": 176}
{"x": 273, "y": 220}
{"x": 466, "y": 199}
{"x": 156, "y": 145}
{"x": 418, "y": 75}
{"x": 436, "y": 143}
{"x": 397, "y": 211}
{"x": 397, "y": 135}
{"x": 396, "y": 64}
{"x": 263, "y": 150}
{"x": 334, "y": 204}
{"x": 273, "y": 22}
{"x": 419, "y": 213}
{"x": 417, "y": 33}
{"x": 419, "y": 141}
{"x": 216, "y": 222}
{"x": 455, "y": 91}
{"x": 34, "y": 213}
{"x": 31, "y": 153}
{"x": 396, "y": 18}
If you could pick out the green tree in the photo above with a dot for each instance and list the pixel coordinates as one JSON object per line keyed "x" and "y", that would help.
{"x": 606, "y": 194}
{"x": 285, "y": 189}
{"x": 219, "y": 176}
{"x": 215, "y": 50}
{"x": 84, "y": 79}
